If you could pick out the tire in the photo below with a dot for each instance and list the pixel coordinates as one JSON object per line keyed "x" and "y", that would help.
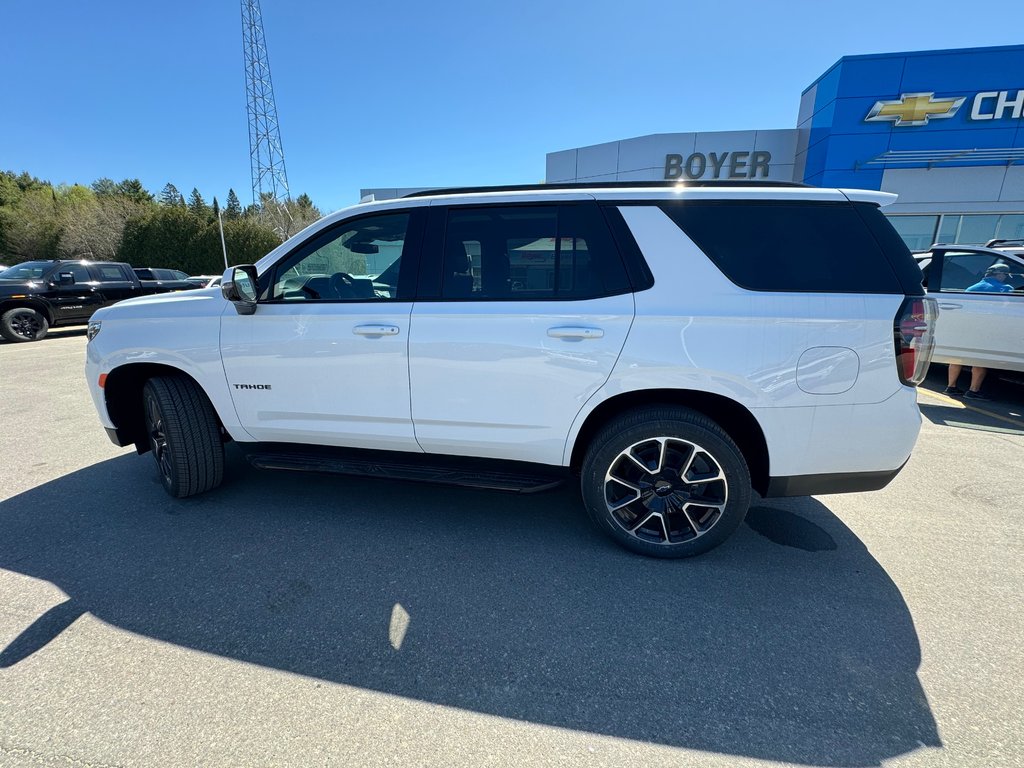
{"x": 23, "y": 324}
{"x": 665, "y": 482}
{"x": 184, "y": 435}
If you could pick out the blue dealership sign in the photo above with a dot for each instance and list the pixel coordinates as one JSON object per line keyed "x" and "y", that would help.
{"x": 927, "y": 109}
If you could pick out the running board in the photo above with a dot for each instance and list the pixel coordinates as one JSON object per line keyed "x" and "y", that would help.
{"x": 520, "y": 477}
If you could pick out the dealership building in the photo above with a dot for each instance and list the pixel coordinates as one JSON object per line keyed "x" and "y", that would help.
{"x": 943, "y": 129}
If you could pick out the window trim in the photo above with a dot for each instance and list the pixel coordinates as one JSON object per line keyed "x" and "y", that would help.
{"x": 407, "y": 271}
{"x": 432, "y": 264}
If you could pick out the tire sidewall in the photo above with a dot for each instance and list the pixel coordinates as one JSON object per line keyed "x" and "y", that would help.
{"x": 611, "y": 442}
{"x": 8, "y": 332}
{"x": 170, "y": 483}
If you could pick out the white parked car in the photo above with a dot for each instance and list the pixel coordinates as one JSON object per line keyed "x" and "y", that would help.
{"x": 672, "y": 348}
{"x": 980, "y": 326}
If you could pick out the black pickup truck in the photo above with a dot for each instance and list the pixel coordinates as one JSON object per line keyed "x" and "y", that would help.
{"x": 37, "y": 295}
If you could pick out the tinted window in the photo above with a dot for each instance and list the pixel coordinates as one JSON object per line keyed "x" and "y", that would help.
{"x": 792, "y": 246}
{"x": 79, "y": 271}
{"x": 962, "y": 270}
{"x": 356, "y": 261}
{"x": 144, "y": 274}
{"x": 109, "y": 273}
{"x": 530, "y": 253}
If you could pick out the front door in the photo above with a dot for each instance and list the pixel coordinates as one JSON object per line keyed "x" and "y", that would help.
{"x": 324, "y": 359}
{"x": 74, "y": 302}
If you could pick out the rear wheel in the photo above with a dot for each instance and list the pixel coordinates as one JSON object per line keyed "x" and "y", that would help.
{"x": 665, "y": 482}
{"x": 183, "y": 434}
{"x": 23, "y": 324}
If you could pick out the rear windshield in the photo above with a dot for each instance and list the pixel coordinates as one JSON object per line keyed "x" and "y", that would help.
{"x": 804, "y": 246}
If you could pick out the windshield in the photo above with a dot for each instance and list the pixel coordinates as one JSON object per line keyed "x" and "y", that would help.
{"x": 28, "y": 270}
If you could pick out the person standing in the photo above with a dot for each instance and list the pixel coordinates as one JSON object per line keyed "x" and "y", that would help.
{"x": 994, "y": 281}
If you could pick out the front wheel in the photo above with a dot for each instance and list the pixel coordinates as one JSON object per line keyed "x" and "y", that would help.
{"x": 665, "y": 482}
{"x": 183, "y": 434}
{"x": 23, "y": 324}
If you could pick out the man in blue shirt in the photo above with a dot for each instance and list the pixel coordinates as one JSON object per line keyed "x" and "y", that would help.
{"x": 994, "y": 280}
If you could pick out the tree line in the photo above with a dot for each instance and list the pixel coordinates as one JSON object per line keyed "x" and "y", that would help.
{"x": 123, "y": 221}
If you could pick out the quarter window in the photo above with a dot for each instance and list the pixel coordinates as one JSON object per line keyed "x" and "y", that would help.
{"x": 356, "y": 261}
{"x": 801, "y": 246}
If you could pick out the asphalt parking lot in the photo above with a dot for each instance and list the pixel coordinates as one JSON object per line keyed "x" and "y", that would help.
{"x": 305, "y": 620}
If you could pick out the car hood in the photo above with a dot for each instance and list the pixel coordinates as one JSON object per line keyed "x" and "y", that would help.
{"x": 201, "y": 301}
{"x": 7, "y": 287}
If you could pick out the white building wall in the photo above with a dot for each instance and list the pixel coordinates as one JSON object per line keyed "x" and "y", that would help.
{"x": 978, "y": 189}
{"x": 644, "y": 158}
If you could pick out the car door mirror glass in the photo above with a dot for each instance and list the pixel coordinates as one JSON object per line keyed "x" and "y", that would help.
{"x": 242, "y": 288}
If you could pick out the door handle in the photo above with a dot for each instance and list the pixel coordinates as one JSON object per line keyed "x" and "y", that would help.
{"x": 950, "y": 306}
{"x": 573, "y": 332}
{"x": 376, "y": 330}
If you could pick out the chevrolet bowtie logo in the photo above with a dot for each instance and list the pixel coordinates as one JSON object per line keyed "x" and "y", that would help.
{"x": 915, "y": 108}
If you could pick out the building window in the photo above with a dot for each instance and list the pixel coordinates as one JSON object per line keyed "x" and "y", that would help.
{"x": 918, "y": 232}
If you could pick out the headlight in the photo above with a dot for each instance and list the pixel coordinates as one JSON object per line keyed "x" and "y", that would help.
{"x": 94, "y": 329}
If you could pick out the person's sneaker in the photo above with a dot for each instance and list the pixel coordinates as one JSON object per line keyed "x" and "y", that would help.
{"x": 970, "y": 394}
{"x": 953, "y": 392}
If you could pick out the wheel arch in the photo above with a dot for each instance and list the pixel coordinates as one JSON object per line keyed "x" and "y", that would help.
{"x": 122, "y": 393}
{"x": 28, "y": 303}
{"x": 738, "y": 422}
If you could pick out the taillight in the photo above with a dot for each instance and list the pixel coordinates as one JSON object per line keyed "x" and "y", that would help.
{"x": 914, "y": 330}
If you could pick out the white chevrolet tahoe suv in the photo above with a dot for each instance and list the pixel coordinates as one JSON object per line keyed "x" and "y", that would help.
{"x": 675, "y": 348}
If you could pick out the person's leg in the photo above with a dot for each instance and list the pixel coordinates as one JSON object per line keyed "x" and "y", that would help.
{"x": 951, "y": 379}
{"x": 977, "y": 377}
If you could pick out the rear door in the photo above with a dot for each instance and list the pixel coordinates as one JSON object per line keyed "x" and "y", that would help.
{"x": 977, "y": 327}
{"x": 113, "y": 283}
{"x": 523, "y": 312}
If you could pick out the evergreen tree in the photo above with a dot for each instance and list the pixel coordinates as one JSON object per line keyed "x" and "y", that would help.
{"x": 133, "y": 190}
{"x": 216, "y": 209}
{"x": 169, "y": 195}
{"x": 104, "y": 186}
{"x": 197, "y": 205}
{"x": 181, "y": 201}
{"x": 233, "y": 210}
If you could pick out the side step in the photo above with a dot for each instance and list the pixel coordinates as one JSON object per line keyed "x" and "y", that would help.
{"x": 521, "y": 477}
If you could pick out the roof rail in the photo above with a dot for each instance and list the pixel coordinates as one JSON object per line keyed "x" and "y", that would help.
{"x": 1001, "y": 241}
{"x": 604, "y": 185}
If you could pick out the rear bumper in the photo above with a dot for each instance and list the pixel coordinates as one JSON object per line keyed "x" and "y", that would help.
{"x": 835, "y": 482}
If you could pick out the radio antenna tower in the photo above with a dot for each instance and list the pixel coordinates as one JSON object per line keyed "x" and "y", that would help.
{"x": 266, "y": 156}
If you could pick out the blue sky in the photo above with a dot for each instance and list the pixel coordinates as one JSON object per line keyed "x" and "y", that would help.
{"x": 389, "y": 93}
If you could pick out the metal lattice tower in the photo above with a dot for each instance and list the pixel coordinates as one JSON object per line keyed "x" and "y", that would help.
{"x": 266, "y": 155}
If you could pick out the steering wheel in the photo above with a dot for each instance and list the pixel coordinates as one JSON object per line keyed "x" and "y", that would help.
{"x": 342, "y": 285}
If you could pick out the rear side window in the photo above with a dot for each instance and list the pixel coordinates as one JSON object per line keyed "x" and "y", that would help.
{"x": 790, "y": 246}
{"x": 110, "y": 273}
{"x": 535, "y": 252}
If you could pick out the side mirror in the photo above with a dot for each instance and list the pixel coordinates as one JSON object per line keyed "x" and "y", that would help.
{"x": 65, "y": 278}
{"x": 240, "y": 286}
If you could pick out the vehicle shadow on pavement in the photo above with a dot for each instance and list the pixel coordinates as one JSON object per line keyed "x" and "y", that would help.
{"x": 789, "y": 642}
